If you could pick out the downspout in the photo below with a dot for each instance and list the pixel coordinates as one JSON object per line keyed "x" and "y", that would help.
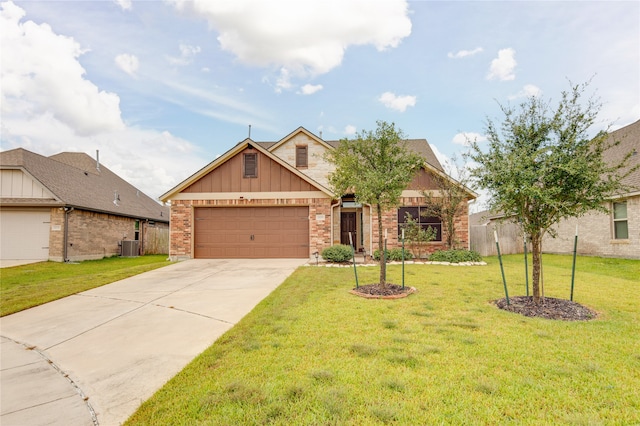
{"x": 370, "y": 231}
{"x": 67, "y": 211}
{"x": 142, "y": 232}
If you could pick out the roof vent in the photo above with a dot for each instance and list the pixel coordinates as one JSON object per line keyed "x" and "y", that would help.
{"x": 98, "y": 159}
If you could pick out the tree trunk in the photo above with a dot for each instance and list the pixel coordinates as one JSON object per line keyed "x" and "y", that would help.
{"x": 450, "y": 233}
{"x": 383, "y": 255}
{"x": 536, "y": 248}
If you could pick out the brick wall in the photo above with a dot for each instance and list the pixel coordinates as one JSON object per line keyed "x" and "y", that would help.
{"x": 181, "y": 223}
{"x": 595, "y": 234}
{"x": 390, "y": 222}
{"x": 91, "y": 235}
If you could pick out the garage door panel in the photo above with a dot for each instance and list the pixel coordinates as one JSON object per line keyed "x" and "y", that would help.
{"x": 25, "y": 234}
{"x": 226, "y": 232}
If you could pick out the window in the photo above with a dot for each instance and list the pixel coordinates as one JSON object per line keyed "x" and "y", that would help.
{"x": 424, "y": 221}
{"x": 302, "y": 156}
{"x": 136, "y": 234}
{"x": 250, "y": 165}
{"x": 620, "y": 224}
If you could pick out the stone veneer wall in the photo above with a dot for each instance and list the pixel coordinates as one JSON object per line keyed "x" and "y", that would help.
{"x": 318, "y": 168}
{"x": 181, "y": 226}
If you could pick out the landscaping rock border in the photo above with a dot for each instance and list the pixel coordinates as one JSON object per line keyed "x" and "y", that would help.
{"x": 409, "y": 262}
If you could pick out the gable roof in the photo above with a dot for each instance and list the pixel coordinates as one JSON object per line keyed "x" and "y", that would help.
{"x": 75, "y": 181}
{"x": 273, "y": 146}
{"x": 629, "y": 137}
{"x": 418, "y": 146}
{"x": 231, "y": 153}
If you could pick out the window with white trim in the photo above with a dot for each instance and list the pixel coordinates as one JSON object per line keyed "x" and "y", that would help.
{"x": 620, "y": 222}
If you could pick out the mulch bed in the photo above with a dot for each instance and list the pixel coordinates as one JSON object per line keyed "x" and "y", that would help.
{"x": 550, "y": 308}
{"x": 389, "y": 291}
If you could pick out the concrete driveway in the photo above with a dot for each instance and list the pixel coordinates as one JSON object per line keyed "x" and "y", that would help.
{"x": 94, "y": 357}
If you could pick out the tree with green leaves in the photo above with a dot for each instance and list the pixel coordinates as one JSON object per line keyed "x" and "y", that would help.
{"x": 375, "y": 166}
{"x": 450, "y": 200}
{"x": 541, "y": 165}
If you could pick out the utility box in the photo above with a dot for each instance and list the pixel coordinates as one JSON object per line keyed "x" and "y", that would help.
{"x": 129, "y": 248}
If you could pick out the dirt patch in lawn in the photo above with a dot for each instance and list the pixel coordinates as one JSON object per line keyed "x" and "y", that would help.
{"x": 550, "y": 308}
{"x": 389, "y": 291}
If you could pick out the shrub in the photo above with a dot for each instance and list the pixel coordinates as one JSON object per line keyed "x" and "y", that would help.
{"x": 455, "y": 256}
{"x": 337, "y": 253}
{"x": 394, "y": 255}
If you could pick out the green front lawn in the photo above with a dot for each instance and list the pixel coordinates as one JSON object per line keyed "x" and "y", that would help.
{"x": 311, "y": 353}
{"x": 26, "y": 286}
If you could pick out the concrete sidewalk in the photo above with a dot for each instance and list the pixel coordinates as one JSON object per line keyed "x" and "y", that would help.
{"x": 94, "y": 357}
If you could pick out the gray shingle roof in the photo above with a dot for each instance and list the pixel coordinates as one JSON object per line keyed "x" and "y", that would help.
{"x": 419, "y": 146}
{"x": 75, "y": 181}
{"x": 629, "y": 137}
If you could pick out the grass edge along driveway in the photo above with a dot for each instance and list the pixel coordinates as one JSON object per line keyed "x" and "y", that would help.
{"x": 26, "y": 286}
{"x": 311, "y": 353}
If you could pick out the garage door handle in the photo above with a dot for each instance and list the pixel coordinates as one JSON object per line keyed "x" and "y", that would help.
{"x": 251, "y": 238}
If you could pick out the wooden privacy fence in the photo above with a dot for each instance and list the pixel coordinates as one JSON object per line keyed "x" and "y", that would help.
{"x": 156, "y": 240}
{"x": 509, "y": 235}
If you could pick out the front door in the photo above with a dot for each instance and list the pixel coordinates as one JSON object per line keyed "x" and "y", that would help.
{"x": 347, "y": 224}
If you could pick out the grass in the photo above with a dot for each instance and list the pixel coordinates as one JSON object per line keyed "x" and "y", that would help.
{"x": 311, "y": 353}
{"x": 26, "y": 286}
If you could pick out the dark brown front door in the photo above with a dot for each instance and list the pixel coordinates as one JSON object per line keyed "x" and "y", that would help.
{"x": 347, "y": 224}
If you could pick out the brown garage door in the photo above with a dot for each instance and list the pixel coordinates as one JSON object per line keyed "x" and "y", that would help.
{"x": 251, "y": 232}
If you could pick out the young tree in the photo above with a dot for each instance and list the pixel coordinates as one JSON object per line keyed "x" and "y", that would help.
{"x": 450, "y": 201}
{"x": 375, "y": 166}
{"x": 417, "y": 236}
{"x": 542, "y": 166}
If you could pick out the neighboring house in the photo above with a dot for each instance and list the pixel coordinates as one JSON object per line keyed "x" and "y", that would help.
{"x": 69, "y": 207}
{"x": 612, "y": 234}
{"x": 271, "y": 200}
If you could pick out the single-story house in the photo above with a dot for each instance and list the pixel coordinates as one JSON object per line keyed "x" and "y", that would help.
{"x": 617, "y": 232}
{"x": 271, "y": 200}
{"x": 69, "y": 207}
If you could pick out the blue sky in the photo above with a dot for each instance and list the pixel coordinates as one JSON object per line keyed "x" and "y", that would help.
{"x": 162, "y": 88}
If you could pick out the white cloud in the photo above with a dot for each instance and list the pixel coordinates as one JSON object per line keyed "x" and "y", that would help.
{"x": 465, "y": 137}
{"x": 187, "y": 53}
{"x": 399, "y": 103}
{"x": 284, "y": 81}
{"x": 350, "y": 130}
{"x": 49, "y": 107}
{"x": 128, "y": 63}
{"x": 502, "y": 67}
{"x": 41, "y": 75}
{"x": 152, "y": 161}
{"x": 464, "y": 53}
{"x": 310, "y": 89}
{"x": 305, "y": 37}
{"x": 124, "y": 4}
{"x": 529, "y": 90}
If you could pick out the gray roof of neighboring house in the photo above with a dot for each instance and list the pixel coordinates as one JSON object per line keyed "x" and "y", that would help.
{"x": 419, "y": 146}
{"x": 629, "y": 137}
{"x": 74, "y": 179}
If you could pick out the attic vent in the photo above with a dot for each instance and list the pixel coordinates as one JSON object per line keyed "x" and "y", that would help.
{"x": 116, "y": 198}
{"x": 250, "y": 165}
